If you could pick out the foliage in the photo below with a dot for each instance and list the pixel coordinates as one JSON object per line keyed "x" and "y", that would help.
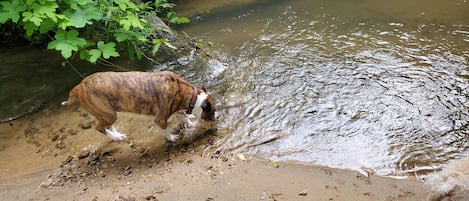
{"x": 92, "y": 29}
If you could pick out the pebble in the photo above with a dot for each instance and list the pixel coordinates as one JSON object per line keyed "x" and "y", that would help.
{"x": 84, "y": 155}
{"x": 303, "y": 193}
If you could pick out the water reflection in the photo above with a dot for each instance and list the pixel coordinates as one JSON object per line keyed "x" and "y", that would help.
{"x": 349, "y": 84}
{"x": 33, "y": 77}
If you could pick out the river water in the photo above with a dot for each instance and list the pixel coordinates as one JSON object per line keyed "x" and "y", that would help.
{"x": 368, "y": 85}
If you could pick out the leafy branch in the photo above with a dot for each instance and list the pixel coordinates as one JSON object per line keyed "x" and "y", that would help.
{"x": 93, "y": 29}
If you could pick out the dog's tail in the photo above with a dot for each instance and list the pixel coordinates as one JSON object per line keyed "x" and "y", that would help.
{"x": 71, "y": 96}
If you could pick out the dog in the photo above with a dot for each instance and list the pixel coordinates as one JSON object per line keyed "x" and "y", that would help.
{"x": 160, "y": 94}
{"x": 451, "y": 183}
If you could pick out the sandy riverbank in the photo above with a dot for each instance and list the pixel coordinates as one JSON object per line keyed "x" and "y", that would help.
{"x": 56, "y": 155}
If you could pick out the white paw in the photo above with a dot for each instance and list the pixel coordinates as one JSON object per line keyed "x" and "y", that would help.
{"x": 170, "y": 137}
{"x": 114, "y": 134}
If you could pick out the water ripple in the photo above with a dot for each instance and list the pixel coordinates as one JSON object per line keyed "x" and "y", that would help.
{"x": 347, "y": 89}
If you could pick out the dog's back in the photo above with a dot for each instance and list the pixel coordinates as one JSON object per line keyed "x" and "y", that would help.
{"x": 451, "y": 183}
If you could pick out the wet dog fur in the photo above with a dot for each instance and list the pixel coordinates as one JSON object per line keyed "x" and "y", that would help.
{"x": 451, "y": 183}
{"x": 160, "y": 94}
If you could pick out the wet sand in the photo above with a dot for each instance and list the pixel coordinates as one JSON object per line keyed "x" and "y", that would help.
{"x": 55, "y": 154}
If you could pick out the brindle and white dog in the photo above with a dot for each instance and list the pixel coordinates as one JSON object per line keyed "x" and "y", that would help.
{"x": 451, "y": 183}
{"x": 160, "y": 94}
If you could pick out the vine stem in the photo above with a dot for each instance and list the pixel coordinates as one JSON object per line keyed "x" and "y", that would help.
{"x": 74, "y": 69}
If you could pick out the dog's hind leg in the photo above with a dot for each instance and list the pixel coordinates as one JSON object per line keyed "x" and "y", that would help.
{"x": 106, "y": 119}
{"x": 114, "y": 134}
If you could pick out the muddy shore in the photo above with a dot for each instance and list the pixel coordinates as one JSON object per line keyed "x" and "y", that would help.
{"x": 55, "y": 154}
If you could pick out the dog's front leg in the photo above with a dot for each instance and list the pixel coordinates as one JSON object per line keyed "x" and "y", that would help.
{"x": 163, "y": 123}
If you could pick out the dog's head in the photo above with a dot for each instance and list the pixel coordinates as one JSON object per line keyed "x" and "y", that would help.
{"x": 205, "y": 107}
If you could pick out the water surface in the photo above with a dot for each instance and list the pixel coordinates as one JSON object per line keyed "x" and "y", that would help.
{"x": 366, "y": 85}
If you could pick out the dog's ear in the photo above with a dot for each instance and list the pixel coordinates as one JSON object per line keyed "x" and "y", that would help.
{"x": 206, "y": 106}
{"x": 204, "y": 88}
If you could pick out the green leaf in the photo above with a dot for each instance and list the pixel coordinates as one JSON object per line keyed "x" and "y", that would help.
{"x": 94, "y": 55}
{"x": 122, "y": 36}
{"x": 156, "y": 46}
{"x": 48, "y": 9}
{"x": 84, "y": 55}
{"x": 130, "y": 21}
{"x": 131, "y": 50}
{"x": 30, "y": 28}
{"x": 47, "y": 26}
{"x": 75, "y": 3}
{"x": 108, "y": 49}
{"x": 183, "y": 20}
{"x": 172, "y": 17}
{"x": 32, "y": 17}
{"x": 82, "y": 16}
{"x": 10, "y": 10}
{"x": 163, "y": 4}
{"x": 125, "y": 24}
{"x": 66, "y": 42}
{"x": 30, "y": 2}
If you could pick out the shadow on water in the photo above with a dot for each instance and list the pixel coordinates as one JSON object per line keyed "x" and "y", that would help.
{"x": 366, "y": 85}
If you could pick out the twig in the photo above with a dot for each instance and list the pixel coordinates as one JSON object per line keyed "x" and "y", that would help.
{"x": 74, "y": 69}
{"x": 191, "y": 41}
{"x": 35, "y": 108}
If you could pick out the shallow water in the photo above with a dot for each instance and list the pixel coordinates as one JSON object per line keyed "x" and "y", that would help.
{"x": 366, "y": 85}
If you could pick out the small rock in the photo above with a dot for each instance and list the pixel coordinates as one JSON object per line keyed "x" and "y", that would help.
{"x": 84, "y": 155}
{"x": 46, "y": 184}
{"x": 30, "y": 131}
{"x": 127, "y": 171}
{"x": 303, "y": 193}
{"x": 150, "y": 197}
{"x": 60, "y": 145}
{"x": 85, "y": 126}
{"x": 72, "y": 131}
{"x": 67, "y": 161}
{"x": 264, "y": 195}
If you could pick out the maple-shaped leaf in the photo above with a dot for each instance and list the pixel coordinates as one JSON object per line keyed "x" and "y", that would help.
{"x": 94, "y": 55}
{"x": 35, "y": 18}
{"x": 48, "y": 9}
{"x": 66, "y": 42}
{"x": 130, "y": 21}
{"x": 82, "y": 15}
{"x": 30, "y": 28}
{"x": 10, "y": 10}
{"x": 108, "y": 49}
